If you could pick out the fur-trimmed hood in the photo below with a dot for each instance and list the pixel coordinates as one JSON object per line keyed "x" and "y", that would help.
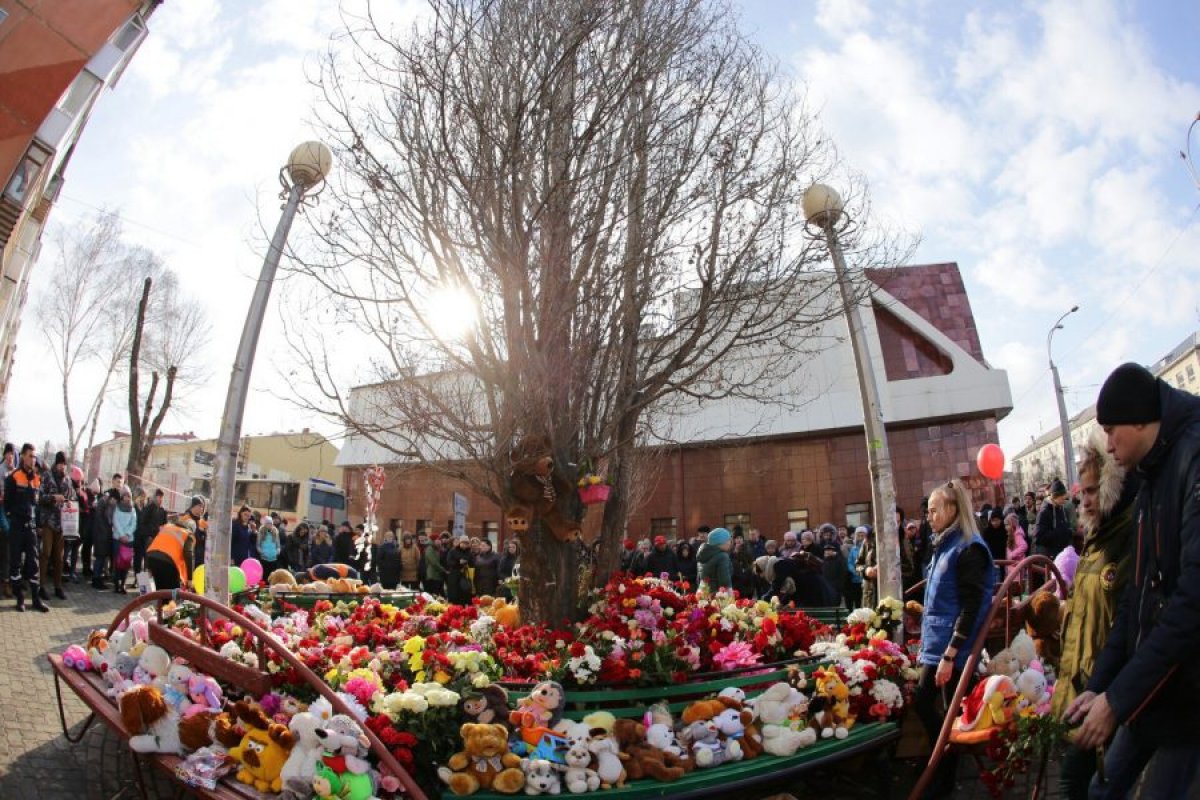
{"x": 1117, "y": 487}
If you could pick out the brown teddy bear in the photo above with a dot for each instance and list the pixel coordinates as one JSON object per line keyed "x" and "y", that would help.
{"x": 535, "y": 488}
{"x": 643, "y": 759}
{"x": 484, "y": 762}
{"x": 1043, "y": 621}
{"x": 701, "y": 710}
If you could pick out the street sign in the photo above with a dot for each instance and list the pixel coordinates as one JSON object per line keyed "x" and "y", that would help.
{"x": 461, "y": 507}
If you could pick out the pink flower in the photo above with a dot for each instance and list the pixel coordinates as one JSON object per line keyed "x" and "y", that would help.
{"x": 735, "y": 655}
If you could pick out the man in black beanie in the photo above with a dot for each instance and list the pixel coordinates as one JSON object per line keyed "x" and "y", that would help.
{"x": 1148, "y": 673}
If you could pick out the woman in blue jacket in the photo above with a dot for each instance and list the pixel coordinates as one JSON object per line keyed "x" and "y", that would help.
{"x": 959, "y": 586}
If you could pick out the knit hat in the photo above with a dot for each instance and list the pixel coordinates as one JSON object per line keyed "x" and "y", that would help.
{"x": 1129, "y": 396}
{"x": 862, "y": 529}
{"x": 718, "y": 537}
{"x": 629, "y": 544}
{"x": 660, "y": 540}
{"x": 60, "y": 458}
{"x": 1058, "y": 488}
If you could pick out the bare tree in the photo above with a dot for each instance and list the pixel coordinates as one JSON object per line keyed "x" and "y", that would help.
{"x": 87, "y": 312}
{"x": 168, "y": 334}
{"x": 612, "y": 192}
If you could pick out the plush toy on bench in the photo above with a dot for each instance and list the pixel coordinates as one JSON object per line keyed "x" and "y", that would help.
{"x": 483, "y": 763}
{"x": 643, "y": 759}
{"x": 263, "y": 750}
{"x": 343, "y": 772}
{"x": 830, "y": 705}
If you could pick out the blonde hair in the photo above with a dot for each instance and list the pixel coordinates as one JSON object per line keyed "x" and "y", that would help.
{"x": 955, "y": 492}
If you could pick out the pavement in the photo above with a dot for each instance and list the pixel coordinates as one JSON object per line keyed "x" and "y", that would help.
{"x": 38, "y": 763}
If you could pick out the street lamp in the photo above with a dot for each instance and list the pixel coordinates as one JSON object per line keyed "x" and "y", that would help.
{"x": 1068, "y": 447}
{"x": 304, "y": 176}
{"x": 824, "y": 209}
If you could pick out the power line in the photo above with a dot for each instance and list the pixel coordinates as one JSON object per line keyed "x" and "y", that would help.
{"x": 133, "y": 222}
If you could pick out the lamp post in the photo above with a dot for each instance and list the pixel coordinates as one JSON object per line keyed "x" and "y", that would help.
{"x": 1068, "y": 447}
{"x": 303, "y": 176}
{"x": 823, "y": 208}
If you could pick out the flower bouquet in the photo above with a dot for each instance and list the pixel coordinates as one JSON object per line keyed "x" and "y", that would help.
{"x": 593, "y": 489}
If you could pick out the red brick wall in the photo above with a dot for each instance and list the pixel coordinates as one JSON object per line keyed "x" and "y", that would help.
{"x": 937, "y": 293}
{"x": 700, "y": 485}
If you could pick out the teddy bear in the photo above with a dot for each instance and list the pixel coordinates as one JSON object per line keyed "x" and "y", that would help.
{"x": 541, "y": 776}
{"x": 152, "y": 666}
{"x": 1023, "y": 647}
{"x": 1004, "y": 663}
{"x": 579, "y": 776}
{"x": 781, "y": 710}
{"x": 1043, "y": 621}
{"x": 281, "y": 580}
{"x": 609, "y": 766}
{"x": 208, "y": 728}
{"x": 661, "y": 735}
{"x": 298, "y": 770}
{"x": 831, "y": 705}
{"x": 641, "y": 758}
{"x": 483, "y": 763}
{"x": 263, "y": 751}
{"x": 737, "y": 722}
{"x": 204, "y": 694}
{"x": 175, "y": 687}
{"x": 488, "y": 704}
{"x": 535, "y": 487}
{"x": 705, "y": 740}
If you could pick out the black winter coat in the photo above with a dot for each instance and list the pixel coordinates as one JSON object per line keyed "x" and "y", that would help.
{"x": 389, "y": 565}
{"x": 1148, "y": 669}
{"x": 487, "y": 573}
{"x": 1053, "y": 530}
{"x": 660, "y": 561}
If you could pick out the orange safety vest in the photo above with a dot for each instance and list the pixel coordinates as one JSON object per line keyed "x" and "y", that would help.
{"x": 170, "y": 540}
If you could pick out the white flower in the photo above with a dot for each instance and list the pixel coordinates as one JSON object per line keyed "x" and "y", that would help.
{"x": 887, "y": 693}
{"x": 442, "y": 697}
{"x": 480, "y": 680}
{"x": 414, "y": 703}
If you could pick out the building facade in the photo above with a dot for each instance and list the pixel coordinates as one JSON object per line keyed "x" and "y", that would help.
{"x": 273, "y": 471}
{"x": 55, "y": 58}
{"x": 1042, "y": 461}
{"x": 735, "y": 462}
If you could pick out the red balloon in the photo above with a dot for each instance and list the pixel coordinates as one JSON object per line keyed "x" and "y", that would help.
{"x": 991, "y": 461}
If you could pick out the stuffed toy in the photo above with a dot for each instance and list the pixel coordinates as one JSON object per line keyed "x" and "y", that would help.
{"x": 152, "y": 725}
{"x": 77, "y": 658}
{"x": 205, "y": 694}
{"x": 1004, "y": 663}
{"x": 1043, "y": 621}
{"x": 97, "y": 646}
{"x": 541, "y": 708}
{"x": 282, "y": 580}
{"x": 782, "y": 712}
{"x": 483, "y": 763}
{"x": 705, "y": 741}
{"x": 579, "y": 776}
{"x": 733, "y": 693}
{"x": 118, "y": 670}
{"x": 600, "y": 719}
{"x": 701, "y": 710}
{"x": 298, "y": 770}
{"x": 152, "y": 666}
{"x": 263, "y": 751}
{"x": 208, "y": 728}
{"x": 344, "y": 747}
{"x": 831, "y": 705}
{"x": 541, "y": 776}
{"x": 1023, "y": 648}
{"x": 1032, "y": 687}
{"x": 488, "y": 704}
{"x": 737, "y": 722}
{"x": 641, "y": 758}
{"x": 534, "y": 489}
{"x": 608, "y": 758}
{"x": 991, "y": 704}
{"x": 506, "y": 614}
{"x": 175, "y": 687}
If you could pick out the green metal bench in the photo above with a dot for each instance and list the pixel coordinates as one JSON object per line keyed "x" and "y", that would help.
{"x": 865, "y": 737}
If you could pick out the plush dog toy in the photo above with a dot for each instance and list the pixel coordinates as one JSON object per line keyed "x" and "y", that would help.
{"x": 541, "y": 776}
{"x": 298, "y": 770}
{"x": 343, "y": 753}
{"x": 609, "y": 766}
{"x": 153, "y": 726}
{"x": 643, "y": 759}
{"x": 831, "y": 705}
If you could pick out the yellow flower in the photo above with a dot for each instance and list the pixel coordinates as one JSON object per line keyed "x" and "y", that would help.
{"x": 414, "y": 645}
{"x": 420, "y": 676}
{"x": 331, "y": 675}
{"x": 441, "y": 677}
{"x": 593, "y": 479}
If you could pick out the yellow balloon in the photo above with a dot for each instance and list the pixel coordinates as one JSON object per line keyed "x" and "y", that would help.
{"x": 198, "y": 579}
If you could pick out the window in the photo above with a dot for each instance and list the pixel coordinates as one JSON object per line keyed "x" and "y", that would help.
{"x": 1179, "y": 379}
{"x": 858, "y": 514}
{"x": 130, "y": 34}
{"x": 1191, "y": 373}
{"x": 734, "y": 521}
{"x": 663, "y": 526}
{"x": 394, "y": 523}
{"x": 425, "y": 525}
{"x": 27, "y": 173}
{"x": 491, "y": 532}
{"x": 798, "y": 520}
{"x": 325, "y": 499}
{"x": 79, "y": 94}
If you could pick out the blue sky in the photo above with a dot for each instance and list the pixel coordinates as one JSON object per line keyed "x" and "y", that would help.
{"x": 1035, "y": 144}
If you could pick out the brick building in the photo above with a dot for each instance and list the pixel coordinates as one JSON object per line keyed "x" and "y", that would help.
{"x": 55, "y": 57}
{"x": 779, "y": 468}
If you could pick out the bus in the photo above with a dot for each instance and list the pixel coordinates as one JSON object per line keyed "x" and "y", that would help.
{"x": 314, "y": 500}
